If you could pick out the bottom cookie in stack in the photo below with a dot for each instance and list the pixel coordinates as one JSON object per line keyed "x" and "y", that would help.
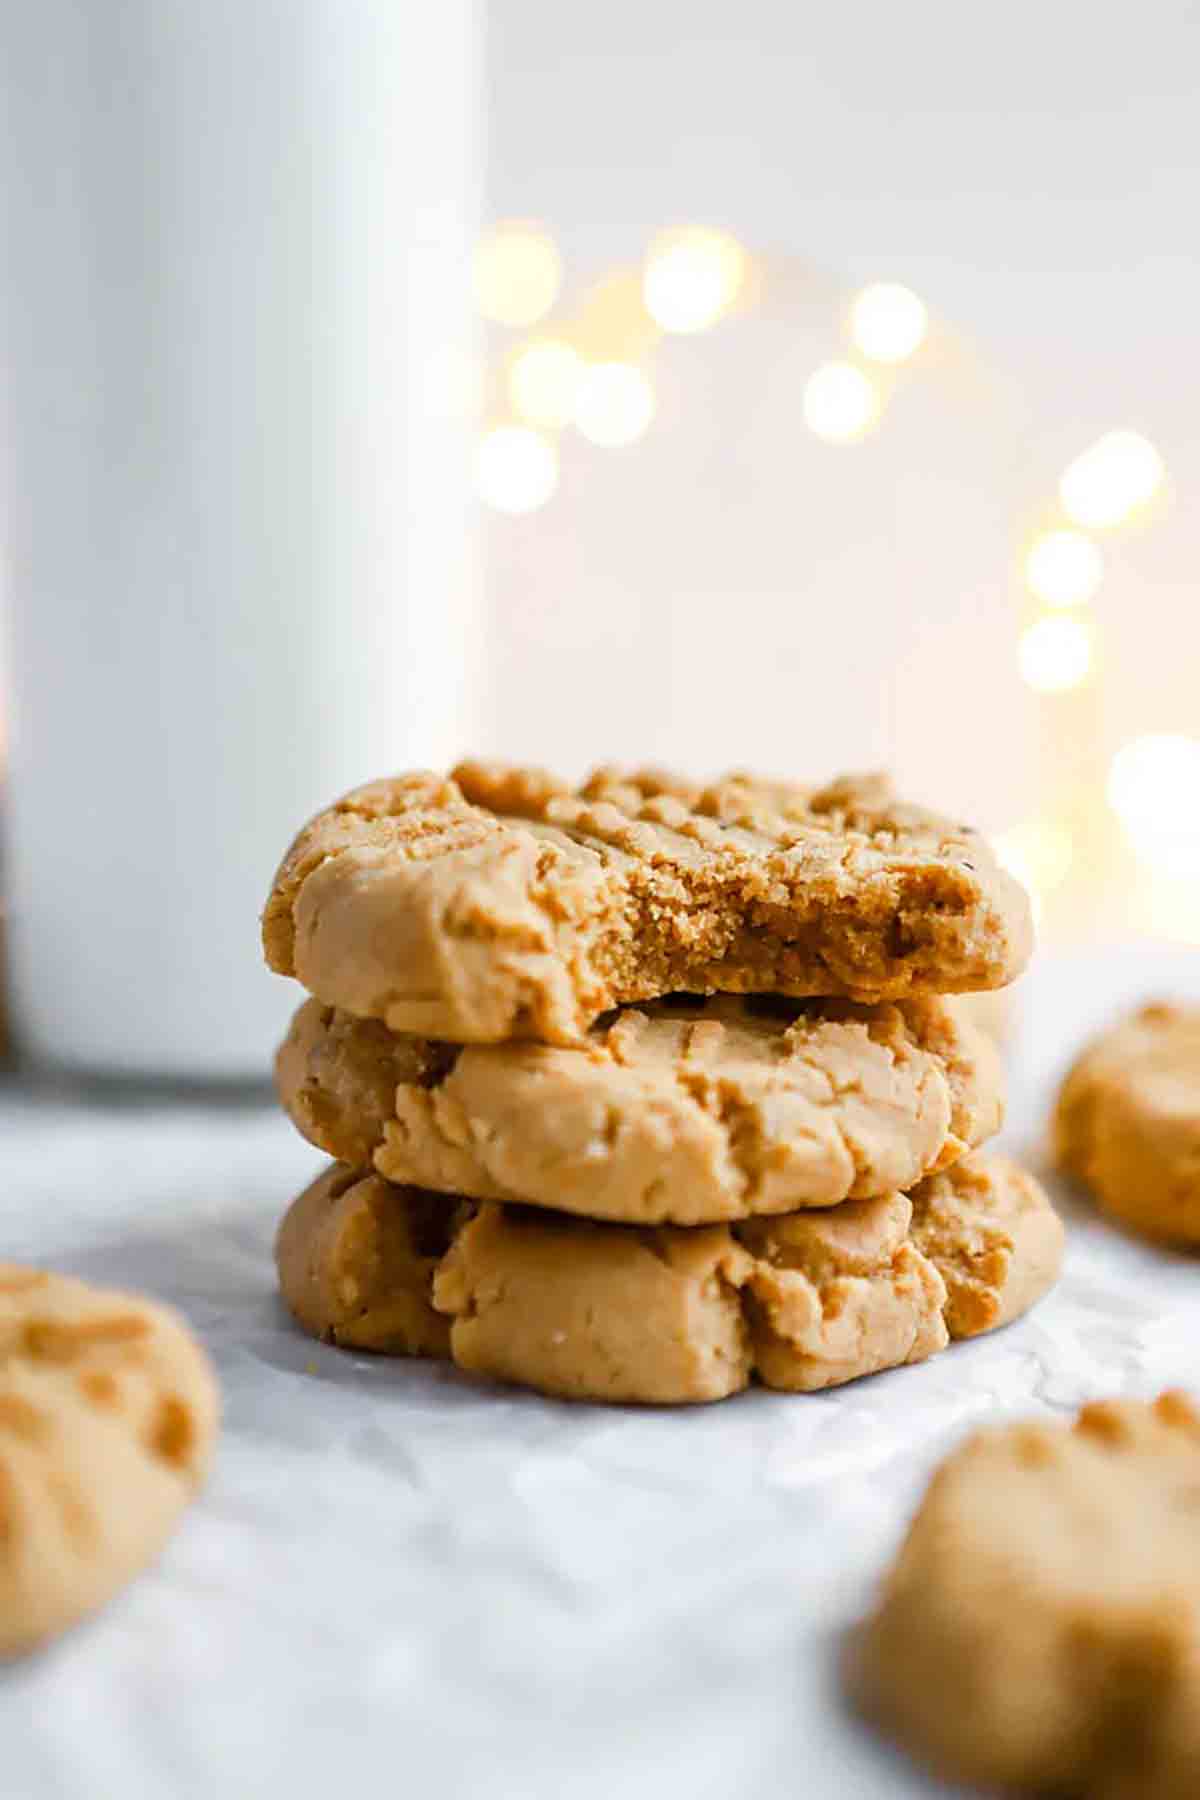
{"x": 668, "y": 1314}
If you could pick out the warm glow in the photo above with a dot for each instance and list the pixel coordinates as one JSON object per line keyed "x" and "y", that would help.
{"x": 1064, "y": 568}
{"x": 1153, "y": 785}
{"x": 888, "y": 322}
{"x": 1109, "y": 482}
{"x": 692, "y": 276}
{"x": 542, "y": 380}
{"x": 516, "y": 470}
{"x": 1037, "y": 852}
{"x": 614, "y": 403}
{"x": 517, "y": 274}
{"x": 1055, "y": 654}
{"x": 1169, "y": 906}
{"x": 613, "y": 324}
{"x": 840, "y": 403}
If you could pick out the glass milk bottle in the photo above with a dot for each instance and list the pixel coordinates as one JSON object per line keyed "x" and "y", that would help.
{"x": 234, "y": 330}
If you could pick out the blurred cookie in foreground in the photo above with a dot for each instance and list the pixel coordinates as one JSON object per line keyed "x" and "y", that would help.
{"x": 669, "y": 1314}
{"x": 108, "y": 1411}
{"x": 1040, "y": 1630}
{"x": 685, "y": 1111}
{"x": 1127, "y": 1123}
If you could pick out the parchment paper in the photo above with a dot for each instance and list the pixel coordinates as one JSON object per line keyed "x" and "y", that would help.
{"x": 402, "y": 1583}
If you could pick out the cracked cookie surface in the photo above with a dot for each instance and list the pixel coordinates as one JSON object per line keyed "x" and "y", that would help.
{"x": 504, "y": 903}
{"x": 1041, "y": 1627}
{"x": 666, "y": 1314}
{"x": 108, "y": 1411}
{"x": 686, "y": 1111}
{"x": 995, "y": 1238}
{"x": 1127, "y": 1123}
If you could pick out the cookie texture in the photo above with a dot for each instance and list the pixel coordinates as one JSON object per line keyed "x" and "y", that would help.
{"x": 597, "y": 1312}
{"x": 1127, "y": 1122}
{"x": 687, "y": 1111}
{"x": 337, "y": 1078}
{"x": 108, "y": 1411}
{"x": 666, "y": 1314}
{"x": 1040, "y": 1630}
{"x": 833, "y": 1295}
{"x": 993, "y": 1236}
{"x": 356, "y": 1260}
{"x": 505, "y": 903}
{"x": 1169, "y": 1766}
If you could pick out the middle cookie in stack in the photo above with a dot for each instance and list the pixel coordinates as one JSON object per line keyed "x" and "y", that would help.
{"x": 706, "y": 1191}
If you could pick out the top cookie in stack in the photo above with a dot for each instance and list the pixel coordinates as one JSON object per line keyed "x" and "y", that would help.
{"x": 659, "y": 1009}
{"x": 503, "y": 903}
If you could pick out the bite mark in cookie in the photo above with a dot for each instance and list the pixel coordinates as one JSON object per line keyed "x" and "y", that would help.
{"x": 503, "y": 903}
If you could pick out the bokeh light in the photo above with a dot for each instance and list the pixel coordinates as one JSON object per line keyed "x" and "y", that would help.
{"x": 840, "y": 403}
{"x": 517, "y": 274}
{"x": 614, "y": 403}
{"x": 1055, "y": 655}
{"x": 542, "y": 381}
{"x": 1153, "y": 784}
{"x": 516, "y": 470}
{"x": 1038, "y": 852}
{"x": 1064, "y": 568}
{"x": 1111, "y": 481}
{"x": 888, "y": 322}
{"x": 693, "y": 275}
{"x": 613, "y": 324}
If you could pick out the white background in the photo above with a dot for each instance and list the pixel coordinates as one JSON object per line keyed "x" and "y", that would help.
{"x": 1034, "y": 170}
{"x": 727, "y": 587}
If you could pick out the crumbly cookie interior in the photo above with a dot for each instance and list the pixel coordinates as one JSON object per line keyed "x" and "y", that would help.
{"x": 549, "y": 904}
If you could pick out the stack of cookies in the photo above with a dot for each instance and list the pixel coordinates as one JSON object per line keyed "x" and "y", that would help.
{"x": 643, "y": 1090}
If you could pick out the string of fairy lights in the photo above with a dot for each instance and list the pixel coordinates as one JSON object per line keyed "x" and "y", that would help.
{"x": 1141, "y": 797}
{"x": 589, "y": 369}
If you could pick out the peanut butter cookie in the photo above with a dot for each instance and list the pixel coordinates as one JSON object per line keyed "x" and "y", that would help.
{"x": 108, "y": 1410}
{"x": 356, "y": 1260}
{"x": 687, "y": 1111}
{"x": 1041, "y": 1628}
{"x": 666, "y": 1314}
{"x": 504, "y": 903}
{"x": 1128, "y": 1122}
{"x": 620, "y": 1312}
{"x": 994, "y": 1237}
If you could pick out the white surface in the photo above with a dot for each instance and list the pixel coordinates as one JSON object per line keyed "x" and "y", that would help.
{"x": 399, "y": 1582}
{"x": 234, "y": 242}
